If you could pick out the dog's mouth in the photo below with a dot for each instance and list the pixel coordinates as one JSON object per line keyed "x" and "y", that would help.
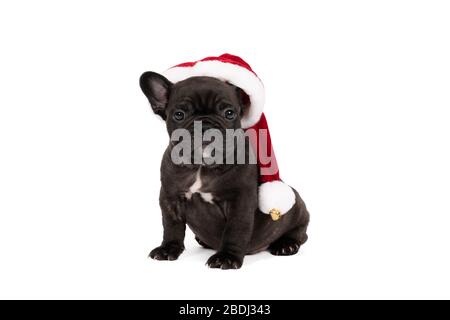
{"x": 208, "y": 150}
{"x": 206, "y": 142}
{"x": 209, "y": 153}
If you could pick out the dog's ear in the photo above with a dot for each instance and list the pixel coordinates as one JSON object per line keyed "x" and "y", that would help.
{"x": 157, "y": 89}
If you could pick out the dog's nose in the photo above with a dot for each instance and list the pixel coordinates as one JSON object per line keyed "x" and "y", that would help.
{"x": 206, "y": 126}
{"x": 207, "y": 123}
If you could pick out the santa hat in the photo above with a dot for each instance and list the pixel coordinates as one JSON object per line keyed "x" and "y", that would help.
{"x": 275, "y": 197}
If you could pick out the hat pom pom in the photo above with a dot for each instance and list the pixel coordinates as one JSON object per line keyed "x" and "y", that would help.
{"x": 275, "y": 196}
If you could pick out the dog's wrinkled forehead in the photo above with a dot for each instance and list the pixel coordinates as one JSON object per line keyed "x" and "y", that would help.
{"x": 202, "y": 93}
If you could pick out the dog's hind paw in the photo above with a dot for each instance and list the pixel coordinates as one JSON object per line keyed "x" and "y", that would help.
{"x": 166, "y": 252}
{"x": 284, "y": 247}
{"x": 223, "y": 260}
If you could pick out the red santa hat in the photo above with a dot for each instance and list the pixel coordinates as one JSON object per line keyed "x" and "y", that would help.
{"x": 275, "y": 197}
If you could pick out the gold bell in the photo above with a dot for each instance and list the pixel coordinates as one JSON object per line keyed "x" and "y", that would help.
{"x": 275, "y": 214}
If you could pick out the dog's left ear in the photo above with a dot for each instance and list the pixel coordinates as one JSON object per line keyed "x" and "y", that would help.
{"x": 157, "y": 89}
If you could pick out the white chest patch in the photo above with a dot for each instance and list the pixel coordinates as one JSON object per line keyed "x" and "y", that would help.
{"x": 195, "y": 188}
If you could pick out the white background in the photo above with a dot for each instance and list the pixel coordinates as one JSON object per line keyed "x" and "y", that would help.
{"x": 358, "y": 104}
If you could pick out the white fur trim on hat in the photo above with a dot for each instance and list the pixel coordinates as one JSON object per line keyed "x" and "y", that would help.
{"x": 232, "y": 73}
{"x": 275, "y": 195}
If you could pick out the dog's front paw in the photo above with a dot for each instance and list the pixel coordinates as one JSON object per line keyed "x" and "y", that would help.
{"x": 167, "y": 252}
{"x": 223, "y": 260}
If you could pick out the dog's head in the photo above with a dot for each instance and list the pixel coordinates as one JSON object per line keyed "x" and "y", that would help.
{"x": 214, "y": 103}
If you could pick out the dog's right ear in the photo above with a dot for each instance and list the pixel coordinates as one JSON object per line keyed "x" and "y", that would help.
{"x": 157, "y": 89}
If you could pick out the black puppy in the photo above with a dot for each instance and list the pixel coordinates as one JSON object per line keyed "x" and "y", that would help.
{"x": 218, "y": 202}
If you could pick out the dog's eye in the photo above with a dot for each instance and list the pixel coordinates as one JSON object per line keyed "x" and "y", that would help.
{"x": 178, "y": 115}
{"x": 230, "y": 114}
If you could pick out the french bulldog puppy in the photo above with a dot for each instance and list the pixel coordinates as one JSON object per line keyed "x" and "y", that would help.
{"x": 219, "y": 202}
